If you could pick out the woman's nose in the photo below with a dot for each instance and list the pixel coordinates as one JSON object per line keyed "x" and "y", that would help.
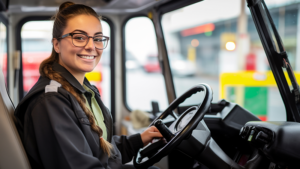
{"x": 90, "y": 44}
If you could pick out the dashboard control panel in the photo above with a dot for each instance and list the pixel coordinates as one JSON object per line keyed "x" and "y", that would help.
{"x": 257, "y": 135}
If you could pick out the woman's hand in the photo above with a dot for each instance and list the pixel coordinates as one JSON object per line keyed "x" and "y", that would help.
{"x": 149, "y": 134}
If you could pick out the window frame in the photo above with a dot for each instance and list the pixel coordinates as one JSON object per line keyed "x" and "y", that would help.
{"x": 18, "y": 39}
{"x": 4, "y": 20}
{"x": 168, "y": 7}
{"x": 123, "y": 54}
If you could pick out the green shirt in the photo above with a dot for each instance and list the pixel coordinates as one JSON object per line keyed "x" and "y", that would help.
{"x": 96, "y": 110}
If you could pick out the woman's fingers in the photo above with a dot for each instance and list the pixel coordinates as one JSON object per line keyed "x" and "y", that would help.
{"x": 154, "y": 129}
{"x": 149, "y": 134}
{"x": 156, "y": 134}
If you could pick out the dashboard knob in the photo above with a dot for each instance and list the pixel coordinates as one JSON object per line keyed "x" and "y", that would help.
{"x": 245, "y": 131}
{"x": 263, "y": 137}
{"x": 251, "y": 135}
{"x": 241, "y": 131}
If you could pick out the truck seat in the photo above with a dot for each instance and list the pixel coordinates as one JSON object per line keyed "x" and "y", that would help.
{"x": 12, "y": 153}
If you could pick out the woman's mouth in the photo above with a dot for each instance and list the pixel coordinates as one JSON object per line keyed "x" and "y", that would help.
{"x": 86, "y": 57}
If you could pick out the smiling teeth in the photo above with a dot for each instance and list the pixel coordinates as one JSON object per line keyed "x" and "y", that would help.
{"x": 87, "y": 57}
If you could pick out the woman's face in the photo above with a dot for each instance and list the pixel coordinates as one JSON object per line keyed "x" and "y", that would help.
{"x": 73, "y": 58}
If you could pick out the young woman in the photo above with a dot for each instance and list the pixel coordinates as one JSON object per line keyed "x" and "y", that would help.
{"x": 62, "y": 120}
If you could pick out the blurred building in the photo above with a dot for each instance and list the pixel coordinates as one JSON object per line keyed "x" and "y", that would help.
{"x": 208, "y": 36}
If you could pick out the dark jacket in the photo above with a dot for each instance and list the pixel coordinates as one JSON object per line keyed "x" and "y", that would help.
{"x": 56, "y": 133}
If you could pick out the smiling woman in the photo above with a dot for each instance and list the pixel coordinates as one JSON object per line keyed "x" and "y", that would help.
{"x": 62, "y": 115}
{"x": 76, "y": 58}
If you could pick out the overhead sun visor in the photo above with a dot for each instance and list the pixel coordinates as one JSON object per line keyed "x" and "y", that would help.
{"x": 4, "y": 5}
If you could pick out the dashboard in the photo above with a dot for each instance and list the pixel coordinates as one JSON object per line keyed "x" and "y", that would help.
{"x": 277, "y": 141}
{"x": 234, "y": 136}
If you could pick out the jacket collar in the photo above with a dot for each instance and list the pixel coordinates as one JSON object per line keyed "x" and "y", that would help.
{"x": 69, "y": 77}
{"x": 74, "y": 82}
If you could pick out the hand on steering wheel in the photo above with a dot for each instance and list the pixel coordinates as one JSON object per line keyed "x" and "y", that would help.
{"x": 180, "y": 129}
{"x": 150, "y": 133}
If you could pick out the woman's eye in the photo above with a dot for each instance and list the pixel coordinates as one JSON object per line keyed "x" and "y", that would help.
{"x": 79, "y": 37}
{"x": 99, "y": 39}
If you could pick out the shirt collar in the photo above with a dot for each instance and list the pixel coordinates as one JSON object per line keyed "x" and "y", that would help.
{"x": 89, "y": 90}
{"x": 69, "y": 77}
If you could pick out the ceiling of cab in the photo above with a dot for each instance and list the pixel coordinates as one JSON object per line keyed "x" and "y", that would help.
{"x": 101, "y": 6}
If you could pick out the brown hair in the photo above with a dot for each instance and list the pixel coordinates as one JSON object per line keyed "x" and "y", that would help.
{"x": 66, "y": 11}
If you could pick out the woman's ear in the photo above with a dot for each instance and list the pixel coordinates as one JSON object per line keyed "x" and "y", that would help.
{"x": 56, "y": 45}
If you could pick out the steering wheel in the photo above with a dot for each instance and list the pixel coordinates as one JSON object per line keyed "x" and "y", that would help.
{"x": 179, "y": 130}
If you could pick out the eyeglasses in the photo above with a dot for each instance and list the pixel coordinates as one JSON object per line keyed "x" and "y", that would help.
{"x": 81, "y": 40}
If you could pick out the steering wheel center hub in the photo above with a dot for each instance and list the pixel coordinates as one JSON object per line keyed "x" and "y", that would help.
{"x": 185, "y": 118}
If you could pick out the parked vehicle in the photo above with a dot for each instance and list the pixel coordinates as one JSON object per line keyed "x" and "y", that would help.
{"x": 152, "y": 64}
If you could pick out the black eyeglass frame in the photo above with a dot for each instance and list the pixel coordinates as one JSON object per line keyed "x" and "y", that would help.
{"x": 71, "y": 34}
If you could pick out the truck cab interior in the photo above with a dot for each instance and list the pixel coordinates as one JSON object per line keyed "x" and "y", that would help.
{"x": 215, "y": 77}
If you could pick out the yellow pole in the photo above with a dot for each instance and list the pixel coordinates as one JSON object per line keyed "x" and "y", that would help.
{"x": 192, "y": 54}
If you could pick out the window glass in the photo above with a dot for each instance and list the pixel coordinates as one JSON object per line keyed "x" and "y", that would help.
{"x": 3, "y": 51}
{"x": 223, "y": 50}
{"x": 144, "y": 81}
{"x": 37, "y": 46}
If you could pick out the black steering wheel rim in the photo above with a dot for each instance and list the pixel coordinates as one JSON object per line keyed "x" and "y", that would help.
{"x": 187, "y": 130}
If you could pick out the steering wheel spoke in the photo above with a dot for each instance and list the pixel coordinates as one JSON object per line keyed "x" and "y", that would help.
{"x": 173, "y": 114}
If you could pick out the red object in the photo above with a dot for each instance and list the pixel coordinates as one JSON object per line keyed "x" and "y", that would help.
{"x": 263, "y": 118}
{"x": 198, "y": 30}
{"x": 31, "y": 62}
{"x": 243, "y": 160}
{"x": 4, "y": 65}
{"x": 152, "y": 64}
{"x": 251, "y": 61}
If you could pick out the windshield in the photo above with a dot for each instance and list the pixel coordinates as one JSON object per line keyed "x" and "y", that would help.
{"x": 223, "y": 49}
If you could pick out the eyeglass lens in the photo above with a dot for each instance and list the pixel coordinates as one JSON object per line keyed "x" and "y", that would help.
{"x": 81, "y": 40}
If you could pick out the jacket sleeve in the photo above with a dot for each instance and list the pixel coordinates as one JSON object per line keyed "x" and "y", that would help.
{"x": 60, "y": 140}
{"x": 128, "y": 146}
